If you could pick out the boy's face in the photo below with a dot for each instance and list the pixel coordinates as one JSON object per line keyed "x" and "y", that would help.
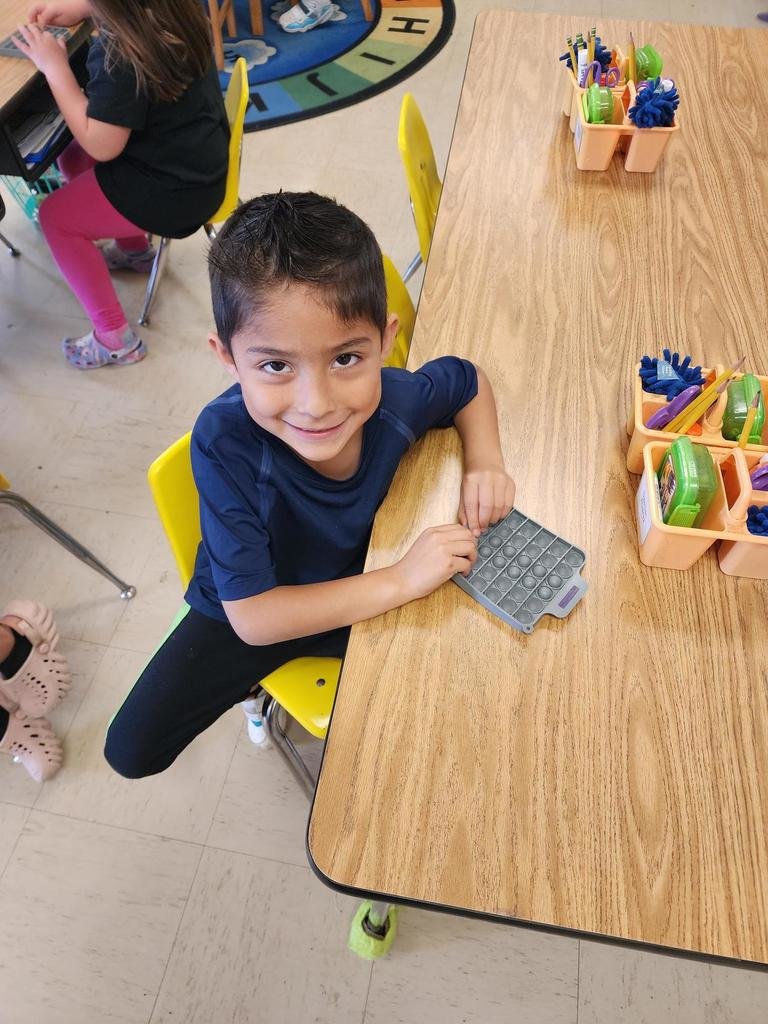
{"x": 308, "y": 378}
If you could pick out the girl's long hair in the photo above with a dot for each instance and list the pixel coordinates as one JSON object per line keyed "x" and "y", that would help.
{"x": 167, "y": 42}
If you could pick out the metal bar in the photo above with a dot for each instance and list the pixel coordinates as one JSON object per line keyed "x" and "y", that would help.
{"x": 65, "y": 539}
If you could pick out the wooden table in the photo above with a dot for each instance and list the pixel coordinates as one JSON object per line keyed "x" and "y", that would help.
{"x": 608, "y": 774}
{"x": 24, "y": 91}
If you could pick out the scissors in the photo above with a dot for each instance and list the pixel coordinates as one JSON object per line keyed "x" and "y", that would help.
{"x": 596, "y": 70}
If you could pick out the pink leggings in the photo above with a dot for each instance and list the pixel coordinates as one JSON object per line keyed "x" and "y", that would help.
{"x": 74, "y": 216}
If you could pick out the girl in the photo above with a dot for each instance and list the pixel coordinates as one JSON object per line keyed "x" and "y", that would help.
{"x": 149, "y": 151}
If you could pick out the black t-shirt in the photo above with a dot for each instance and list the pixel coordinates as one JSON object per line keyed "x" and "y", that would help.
{"x": 171, "y": 176}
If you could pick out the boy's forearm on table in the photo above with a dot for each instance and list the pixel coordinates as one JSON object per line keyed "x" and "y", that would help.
{"x": 478, "y": 427}
{"x": 286, "y": 613}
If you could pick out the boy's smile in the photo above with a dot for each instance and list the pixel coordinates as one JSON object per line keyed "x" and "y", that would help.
{"x": 308, "y": 378}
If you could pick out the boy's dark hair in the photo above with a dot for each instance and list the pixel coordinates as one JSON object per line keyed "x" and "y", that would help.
{"x": 295, "y": 236}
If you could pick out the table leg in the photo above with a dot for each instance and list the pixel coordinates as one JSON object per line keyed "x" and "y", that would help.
{"x": 11, "y": 248}
{"x": 257, "y": 18}
{"x": 373, "y": 929}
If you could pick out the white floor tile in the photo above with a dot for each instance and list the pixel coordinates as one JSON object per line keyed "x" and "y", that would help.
{"x": 261, "y": 941}
{"x": 263, "y": 810}
{"x": 475, "y": 972}
{"x": 648, "y": 988}
{"x": 12, "y": 820}
{"x": 88, "y": 916}
{"x": 178, "y": 803}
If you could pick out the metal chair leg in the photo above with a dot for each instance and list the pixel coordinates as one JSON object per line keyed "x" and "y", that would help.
{"x": 62, "y": 537}
{"x": 285, "y": 745}
{"x": 9, "y": 246}
{"x": 154, "y": 277}
{"x": 412, "y": 267}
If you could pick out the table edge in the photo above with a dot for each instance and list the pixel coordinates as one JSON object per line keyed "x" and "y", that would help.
{"x": 547, "y": 929}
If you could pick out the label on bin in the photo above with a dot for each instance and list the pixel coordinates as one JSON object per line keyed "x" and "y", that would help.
{"x": 643, "y": 507}
{"x": 578, "y": 134}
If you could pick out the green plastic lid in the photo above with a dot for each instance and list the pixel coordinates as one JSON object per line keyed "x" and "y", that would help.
{"x": 599, "y": 104}
{"x": 649, "y": 62}
{"x": 740, "y": 396}
{"x": 687, "y": 483}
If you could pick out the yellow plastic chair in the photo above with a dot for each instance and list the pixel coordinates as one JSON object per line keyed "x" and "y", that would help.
{"x": 424, "y": 185}
{"x": 236, "y": 103}
{"x": 305, "y": 687}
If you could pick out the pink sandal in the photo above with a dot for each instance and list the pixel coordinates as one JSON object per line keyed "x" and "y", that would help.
{"x": 33, "y": 743}
{"x": 44, "y": 679}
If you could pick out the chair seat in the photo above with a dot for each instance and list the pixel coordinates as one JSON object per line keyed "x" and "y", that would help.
{"x": 306, "y": 688}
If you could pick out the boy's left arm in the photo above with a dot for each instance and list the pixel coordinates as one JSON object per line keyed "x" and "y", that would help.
{"x": 487, "y": 490}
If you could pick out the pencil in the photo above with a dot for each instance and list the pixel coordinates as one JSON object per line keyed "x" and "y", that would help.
{"x": 590, "y": 53}
{"x": 746, "y": 430}
{"x": 631, "y": 62}
{"x": 699, "y": 405}
{"x": 572, "y": 52}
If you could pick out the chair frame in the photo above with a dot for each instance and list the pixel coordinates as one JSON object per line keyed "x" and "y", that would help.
{"x": 31, "y": 512}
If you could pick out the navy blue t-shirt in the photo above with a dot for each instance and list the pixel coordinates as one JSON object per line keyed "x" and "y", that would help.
{"x": 270, "y": 520}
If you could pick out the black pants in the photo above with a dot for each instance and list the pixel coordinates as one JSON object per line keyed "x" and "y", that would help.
{"x": 201, "y": 670}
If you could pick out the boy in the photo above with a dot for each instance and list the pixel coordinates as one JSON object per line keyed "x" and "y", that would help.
{"x": 291, "y": 464}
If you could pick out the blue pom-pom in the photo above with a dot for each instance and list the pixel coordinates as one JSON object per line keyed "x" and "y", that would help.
{"x": 757, "y": 520}
{"x": 669, "y": 375}
{"x": 654, "y": 106}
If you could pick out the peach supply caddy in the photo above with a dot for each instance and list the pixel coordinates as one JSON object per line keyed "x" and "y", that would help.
{"x": 740, "y": 552}
{"x": 644, "y": 404}
{"x": 572, "y": 91}
{"x": 595, "y": 144}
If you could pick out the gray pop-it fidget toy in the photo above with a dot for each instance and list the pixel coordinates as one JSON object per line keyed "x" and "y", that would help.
{"x": 8, "y": 47}
{"x": 524, "y": 571}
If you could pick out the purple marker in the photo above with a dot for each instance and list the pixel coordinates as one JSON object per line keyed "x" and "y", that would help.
{"x": 667, "y": 413}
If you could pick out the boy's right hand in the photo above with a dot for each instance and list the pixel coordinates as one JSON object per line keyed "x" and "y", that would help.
{"x": 439, "y": 553}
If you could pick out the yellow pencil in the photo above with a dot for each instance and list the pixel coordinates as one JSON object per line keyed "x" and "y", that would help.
{"x": 631, "y": 62}
{"x": 572, "y": 52}
{"x": 746, "y": 430}
{"x": 590, "y": 53}
{"x": 696, "y": 409}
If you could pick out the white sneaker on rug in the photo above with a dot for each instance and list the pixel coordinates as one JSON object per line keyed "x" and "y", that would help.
{"x": 305, "y": 15}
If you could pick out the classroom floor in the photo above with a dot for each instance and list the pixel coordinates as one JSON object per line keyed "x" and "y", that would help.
{"x": 188, "y": 897}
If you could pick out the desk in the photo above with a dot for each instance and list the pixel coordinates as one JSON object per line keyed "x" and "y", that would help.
{"x": 24, "y": 91}
{"x": 607, "y": 775}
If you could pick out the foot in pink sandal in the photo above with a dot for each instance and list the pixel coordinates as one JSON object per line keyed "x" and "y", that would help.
{"x": 44, "y": 679}
{"x": 33, "y": 743}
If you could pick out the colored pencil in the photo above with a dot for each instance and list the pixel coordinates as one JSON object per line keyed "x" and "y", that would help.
{"x": 699, "y": 405}
{"x": 631, "y": 62}
{"x": 746, "y": 430}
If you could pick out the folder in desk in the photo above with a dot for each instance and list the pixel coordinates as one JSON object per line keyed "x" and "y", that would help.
{"x": 38, "y": 134}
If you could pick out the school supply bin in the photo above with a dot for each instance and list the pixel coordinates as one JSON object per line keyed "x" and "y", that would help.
{"x": 667, "y": 546}
{"x": 644, "y": 404}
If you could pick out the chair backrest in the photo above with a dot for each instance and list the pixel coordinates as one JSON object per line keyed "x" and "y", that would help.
{"x": 173, "y": 488}
{"x": 399, "y": 301}
{"x": 424, "y": 185}
{"x": 236, "y": 103}
{"x": 170, "y": 475}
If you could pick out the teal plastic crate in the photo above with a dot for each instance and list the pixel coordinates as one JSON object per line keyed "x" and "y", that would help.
{"x": 29, "y": 194}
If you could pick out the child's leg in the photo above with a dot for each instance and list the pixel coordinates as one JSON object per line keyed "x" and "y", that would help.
{"x": 74, "y": 160}
{"x": 201, "y": 670}
{"x": 71, "y": 218}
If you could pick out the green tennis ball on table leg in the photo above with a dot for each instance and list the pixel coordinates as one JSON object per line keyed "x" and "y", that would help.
{"x": 363, "y": 939}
